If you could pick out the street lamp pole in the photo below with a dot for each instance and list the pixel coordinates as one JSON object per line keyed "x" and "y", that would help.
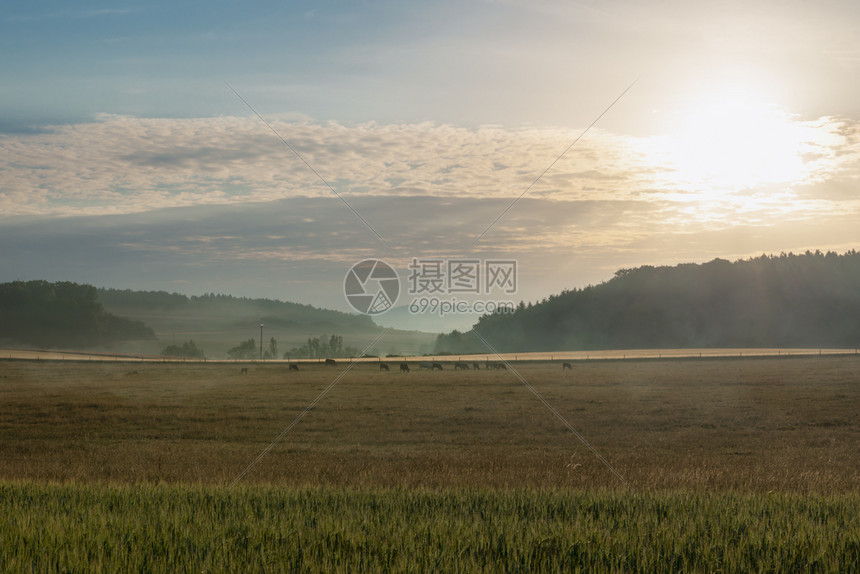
{"x": 261, "y": 341}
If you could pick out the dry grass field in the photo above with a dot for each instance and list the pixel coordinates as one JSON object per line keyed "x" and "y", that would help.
{"x": 741, "y": 424}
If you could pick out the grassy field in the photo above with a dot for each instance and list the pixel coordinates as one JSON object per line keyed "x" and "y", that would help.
{"x": 170, "y": 528}
{"x": 752, "y": 424}
{"x": 733, "y": 464}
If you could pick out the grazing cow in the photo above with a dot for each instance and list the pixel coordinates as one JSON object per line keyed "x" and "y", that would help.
{"x": 294, "y": 367}
{"x": 383, "y": 367}
{"x": 566, "y": 366}
{"x": 476, "y": 366}
{"x": 458, "y": 366}
{"x": 437, "y": 366}
{"x": 497, "y": 366}
{"x": 404, "y": 367}
{"x": 425, "y": 365}
{"x": 244, "y": 370}
{"x": 330, "y": 363}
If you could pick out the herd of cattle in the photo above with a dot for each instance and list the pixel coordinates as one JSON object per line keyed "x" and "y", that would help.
{"x": 428, "y": 366}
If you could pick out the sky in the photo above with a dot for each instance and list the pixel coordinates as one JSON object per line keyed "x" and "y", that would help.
{"x": 261, "y": 149}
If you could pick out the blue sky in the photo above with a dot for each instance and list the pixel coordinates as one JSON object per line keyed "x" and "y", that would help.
{"x": 351, "y": 61}
{"x": 127, "y": 161}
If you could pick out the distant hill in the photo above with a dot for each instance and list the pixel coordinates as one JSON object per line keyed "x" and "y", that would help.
{"x": 216, "y": 323}
{"x": 175, "y": 307}
{"x": 61, "y": 315}
{"x": 401, "y": 318}
{"x": 808, "y": 300}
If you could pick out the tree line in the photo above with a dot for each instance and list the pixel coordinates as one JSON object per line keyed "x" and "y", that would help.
{"x": 787, "y": 300}
{"x": 270, "y": 311}
{"x": 315, "y": 348}
{"x": 62, "y": 314}
{"x": 187, "y": 350}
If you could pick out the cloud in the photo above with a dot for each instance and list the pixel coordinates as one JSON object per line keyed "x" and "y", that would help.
{"x": 68, "y": 14}
{"x": 220, "y": 204}
{"x": 122, "y": 164}
{"x": 91, "y": 13}
{"x": 300, "y": 248}
{"x": 132, "y": 164}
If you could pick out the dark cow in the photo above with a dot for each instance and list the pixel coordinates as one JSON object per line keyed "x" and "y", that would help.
{"x": 476, "y": 366}
{"x": 566, "y": 366}
{"x": 437, "y": 366}
{"x": 383, "y": 367}
{"x": 497, "y": 366}
{"x": 294, "y": 367}
{"x": 330, "y": 363}
{"x": 461, "y": 366}
{"x": 425, "y": 365}
{"x": 244, "y": 370}
{"x": 404, "y": 367}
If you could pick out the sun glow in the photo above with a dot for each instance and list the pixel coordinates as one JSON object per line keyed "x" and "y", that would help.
{"x": 730, "y": 142}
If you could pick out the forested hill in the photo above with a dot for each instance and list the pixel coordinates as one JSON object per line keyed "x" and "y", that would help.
{"x": 218, "y": 323}
{"x": 809, "y": 300}
{"x": 62, "y": 314}
{"x": 226, "y": 308}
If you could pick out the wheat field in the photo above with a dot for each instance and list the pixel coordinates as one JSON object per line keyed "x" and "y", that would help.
{"x": 694, "y": 465}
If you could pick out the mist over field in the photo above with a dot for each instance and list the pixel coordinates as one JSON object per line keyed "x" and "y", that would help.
{"x": 64, "y": 315}
{"x": 787, "y": 301}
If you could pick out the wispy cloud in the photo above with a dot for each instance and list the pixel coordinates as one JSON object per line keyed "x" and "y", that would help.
{"x": 122, "y": 164}
{"x": 94, "y": 12}
{"x": 68, "y": 14}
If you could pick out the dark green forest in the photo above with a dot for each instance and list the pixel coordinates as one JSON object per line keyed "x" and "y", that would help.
{"x": 808, "y": 300}
{"x": 275, "y": 314}
{"x": 62, "y": 314}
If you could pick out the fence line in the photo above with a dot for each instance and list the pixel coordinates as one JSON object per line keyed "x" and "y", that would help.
{"x": 621, "y": 354}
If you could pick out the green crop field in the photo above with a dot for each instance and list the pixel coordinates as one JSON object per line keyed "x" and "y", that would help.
{"x": 732, "y": 465}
